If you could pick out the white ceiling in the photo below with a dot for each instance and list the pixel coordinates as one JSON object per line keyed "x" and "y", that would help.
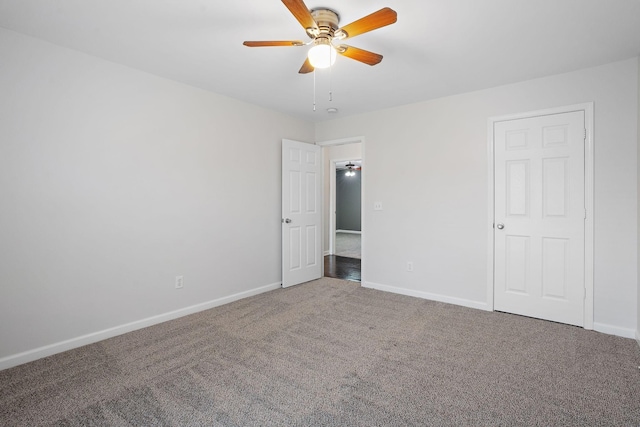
{"x": 437, "y": 47}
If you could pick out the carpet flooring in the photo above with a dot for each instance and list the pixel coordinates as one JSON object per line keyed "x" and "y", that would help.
{"x": 331, "y": 353}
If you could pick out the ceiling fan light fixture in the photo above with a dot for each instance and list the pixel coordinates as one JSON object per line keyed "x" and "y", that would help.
{"x": 322, "y": 54}
{"x": 350, "y": 170}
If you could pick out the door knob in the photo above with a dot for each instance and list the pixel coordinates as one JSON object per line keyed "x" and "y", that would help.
{"x": 287, "y": 220}
{"x": 500, "y": 226}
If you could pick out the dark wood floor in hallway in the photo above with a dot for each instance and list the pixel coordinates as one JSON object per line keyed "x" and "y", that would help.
{"x": 340, "y": 267}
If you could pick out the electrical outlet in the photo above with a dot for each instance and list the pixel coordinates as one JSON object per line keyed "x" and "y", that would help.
{"x": 179, "y": 282}
{"x": 377, "y": 206}
{"x": 409, "y": 266}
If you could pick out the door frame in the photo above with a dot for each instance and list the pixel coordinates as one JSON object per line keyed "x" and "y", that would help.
{"x": 332, "y": 199}
{"x": 588, "y": 110}
{"x": 333, "y": 205}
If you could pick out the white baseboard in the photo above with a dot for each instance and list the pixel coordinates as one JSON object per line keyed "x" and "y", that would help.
{"x": 426, "y": 295}
{"x": 349, "y": 231}
{"x": 327, "y": 253}
{"x": 48, "y": 350}
{"x": 615, "y": 330}
{"x": 599, "y": 327}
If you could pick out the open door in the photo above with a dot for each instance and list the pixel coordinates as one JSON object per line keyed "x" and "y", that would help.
{"x": 301, "y": 212}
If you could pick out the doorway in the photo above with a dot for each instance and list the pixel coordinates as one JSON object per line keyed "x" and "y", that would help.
{"x": 348, "y": 208}
{"x": 541, "y": 200}
{"x": 345, "y": 261}
{"x": 343, "y": 213}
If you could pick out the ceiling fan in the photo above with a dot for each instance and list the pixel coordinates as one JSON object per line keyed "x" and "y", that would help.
{"x": 321, "y": 25}
{"x": 351, "y": 168}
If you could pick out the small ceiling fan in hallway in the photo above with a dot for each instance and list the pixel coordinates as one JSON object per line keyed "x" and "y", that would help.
{"x": 321, "y": 25}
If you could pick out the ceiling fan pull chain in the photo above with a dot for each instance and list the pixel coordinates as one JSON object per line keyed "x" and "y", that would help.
{"x": 330, "y": 81}
{"x": 314, "y": 90}
{"x": 330, "y": 85}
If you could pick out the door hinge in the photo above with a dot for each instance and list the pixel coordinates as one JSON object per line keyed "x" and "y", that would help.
{"x": 585, "y": 213}
{"x": 585, "y": 134}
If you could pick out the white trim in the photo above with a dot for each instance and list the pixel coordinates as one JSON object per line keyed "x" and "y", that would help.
{"x": 341, "y": 141}
{"x": 598, "y": 327}
{"x": 363, "y": 211}
{"x": 349, "y": 231}
{"x": 589, "y": 223}
{"x": 491, "y": 215}
{"x": 333, "y": 203}
{"x": 344, "y": 141}
{"x": 59, "y": 347}
{"x": 324, "y": 190}
{"x": 429, "y": 296}
{"x": 589, "y": 162}
{"x": 332, "y": 207}
{"x": 614, "y": 330}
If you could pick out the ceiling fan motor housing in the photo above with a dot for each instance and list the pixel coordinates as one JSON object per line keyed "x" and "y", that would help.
{"x": 327, "y": 21}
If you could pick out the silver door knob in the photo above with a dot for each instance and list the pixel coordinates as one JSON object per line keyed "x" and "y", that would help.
{"x": 287, "y": 220}
{"x": 500, "y": 226}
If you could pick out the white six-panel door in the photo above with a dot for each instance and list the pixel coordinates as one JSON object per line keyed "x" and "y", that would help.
{"x": 539, "y": 217}
{"x": 301, "y": 212}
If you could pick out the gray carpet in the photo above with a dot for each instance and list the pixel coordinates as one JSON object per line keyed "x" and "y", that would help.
{"x": 348, "y": 245}
{"x": 334, "y": 354}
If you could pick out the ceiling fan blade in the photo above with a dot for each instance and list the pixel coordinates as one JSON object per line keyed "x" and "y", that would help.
{"x": 379, "y": 19}
{"x": 306, "y": 67}
{"x": 273, "y": 43}
{"x": 301, "y": 12}
{"x": 361, "y": 55}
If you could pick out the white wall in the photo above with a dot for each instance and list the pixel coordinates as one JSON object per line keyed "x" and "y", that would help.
{"x": 330, "y": 154}
{"x": 114, "y": 181}
{"x": 427, "y": 163}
